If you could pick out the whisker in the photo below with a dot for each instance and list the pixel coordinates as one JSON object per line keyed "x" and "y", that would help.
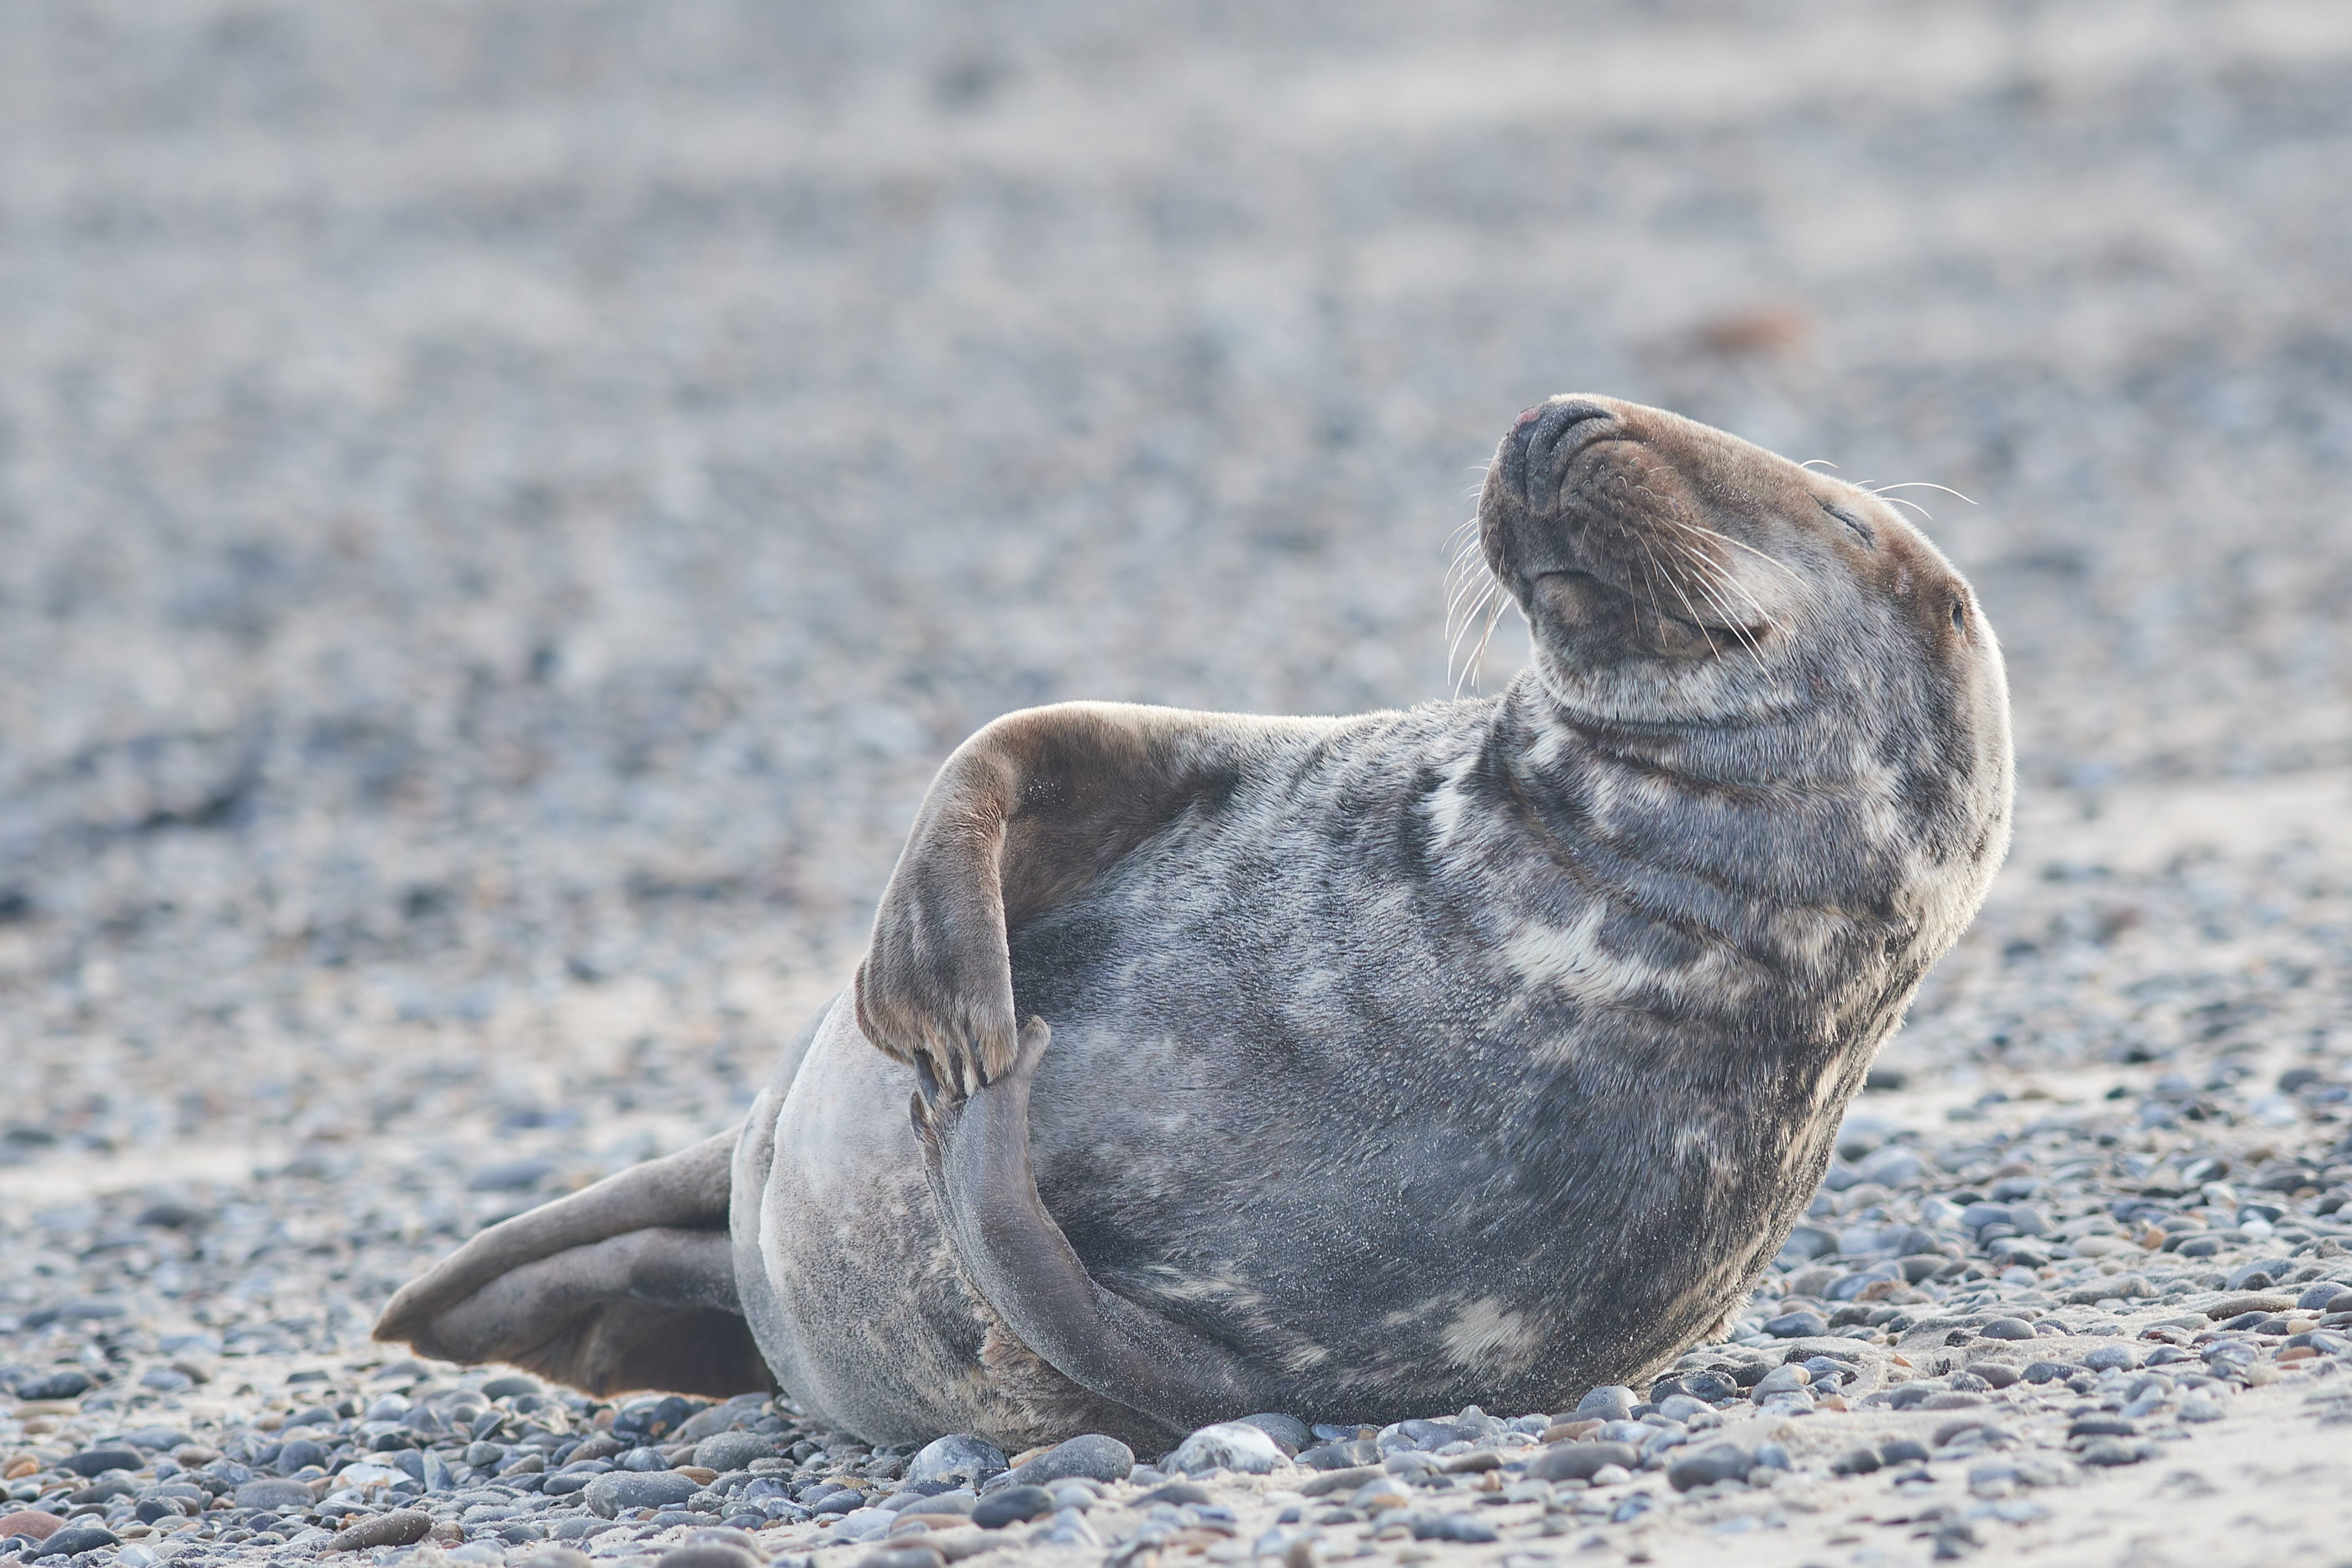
{"x": 1478, "y": 654}
{"x": 1775, "y": 562}
{"x": 1899, "y": 501}
{"x": 1454, "y": 641}
{"x": 1677, "y": 587}
{"x": 1712, "y": 582}
{"x": 1824, "y": 462}
{"x": 1918, "y": 485}
{"x": 1709, "y": 588}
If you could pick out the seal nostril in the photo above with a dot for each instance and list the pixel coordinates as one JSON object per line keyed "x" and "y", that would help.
{"x": 1543, "y": 436}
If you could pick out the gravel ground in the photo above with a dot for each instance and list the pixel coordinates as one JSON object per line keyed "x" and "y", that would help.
{"x": 505, "y": 505}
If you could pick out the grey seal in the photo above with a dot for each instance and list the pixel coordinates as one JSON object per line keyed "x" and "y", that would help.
{"x": 1485, "y": 1051}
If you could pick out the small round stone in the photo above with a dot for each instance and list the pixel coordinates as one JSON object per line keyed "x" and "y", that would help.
{"x": 2007, "y": 1329}
{"x": 615, "y": 1490}
{"x": 1459, "y": 1527}
{"x": 709, "y": 1554}
{"x": 402, "y": 1527}
{"x": 1581, "y": 1461}
{"x": 273, "y": 1494}
{"x": 959, "y": 1458}
{"x": 1716, "y": 1462}
{"x": 732, "y": 1451}
{"x": 67, "y": 1384}
{"x": 1289, "y": 1432}
{"x": 76, "y": 1539}
{"x": 1610, "y": 1402}
{"x": 1797, "y": 1325}
{"x": 1226, "y": 1446}
{"x": 37, "y": 1524}
{"x": 1011, "y": 1506}
{"x": 1092, "y": 1457}
{"x": 903, "y": 1554}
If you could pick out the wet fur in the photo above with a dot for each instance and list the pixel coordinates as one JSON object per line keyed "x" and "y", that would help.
{"x": 1483, "y": 1051}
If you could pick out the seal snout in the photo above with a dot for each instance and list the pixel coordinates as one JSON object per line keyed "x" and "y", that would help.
{"x": 1547, "y": 435}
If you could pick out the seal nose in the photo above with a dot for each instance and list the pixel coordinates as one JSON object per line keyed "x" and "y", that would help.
{"x": 1542, "y": 430}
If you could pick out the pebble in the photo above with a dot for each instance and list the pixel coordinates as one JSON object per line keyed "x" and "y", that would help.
{"x": 959, "y": 1458}
{"x": 1289, "y": 1433}
{"x": 1580, "y": 1460}
{"x": 903, "y": 1554}
{"x": 400, "y": 1527}
{"x": 1225, "y": 1445}
{"x": 610, "y": 1493}
{"x": 1091, "y": 1456}
{"x": 1011, "y": 1506}
{"x": 712, "y": 1555}
{"x": 726, "y": 1451}
{"x": 1611, "y": 1402}
{"x": 273, "y": 1494}
{"x": 76, "y": 1539}
{"x": 1716, "y": 1462}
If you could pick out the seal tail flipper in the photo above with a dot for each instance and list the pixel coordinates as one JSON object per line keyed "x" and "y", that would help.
{"x": 976, "y": 1155}
{"x": 629, "y": 1283}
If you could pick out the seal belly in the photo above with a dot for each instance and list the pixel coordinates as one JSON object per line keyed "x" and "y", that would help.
{"x": 1380, "y": 1175}
{"x": 857, "y": 1304}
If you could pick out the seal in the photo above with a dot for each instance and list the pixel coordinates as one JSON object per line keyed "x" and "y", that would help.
{"x": 1484, "y": 1051}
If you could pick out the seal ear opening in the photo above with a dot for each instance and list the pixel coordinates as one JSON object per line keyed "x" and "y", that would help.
{"x": 627, "y": 1284}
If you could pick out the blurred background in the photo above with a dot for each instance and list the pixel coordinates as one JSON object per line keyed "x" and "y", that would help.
{"x": 503, "y": 505}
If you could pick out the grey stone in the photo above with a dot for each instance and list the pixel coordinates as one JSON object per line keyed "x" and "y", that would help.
{"x": 1716, "y": 1462}
{"x": 402, "y": 1527}
{"x": 1011, "y": 1506}
{"x": 1225, "y": 1445}
{"x": 1289, "y": 1433}
{"x": 709, "y": 1554}
{"x": 914, "y": 1553}
{"x": 1341, "y": 1456}
{"x": 273, "y": 1494}
{"x": 960, "y": 1458}
{"x": 1092, "y": 1457}
{"x": 1577, "y": 1461}
{"x": 76, "y": 1539}
{"x": 1461, "y": 1526}
{"x": 1610, "y": 1402}
{"x": 732, "y": 1450}
{"x": 615, "y": 1491}
{"x": 98, "y": 1461}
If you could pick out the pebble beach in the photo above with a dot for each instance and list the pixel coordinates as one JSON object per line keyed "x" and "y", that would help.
{"x": 505, "y": 505}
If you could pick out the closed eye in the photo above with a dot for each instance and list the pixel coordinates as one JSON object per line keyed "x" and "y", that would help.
{"x": 1859, "y": 528}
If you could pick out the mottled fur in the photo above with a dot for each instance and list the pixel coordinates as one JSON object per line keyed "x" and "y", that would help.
{"x": 1482, "y": 1051}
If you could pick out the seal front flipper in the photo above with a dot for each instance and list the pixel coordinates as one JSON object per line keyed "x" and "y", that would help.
{"x": 976, "y": 1155}
{"x": 629, "y": 1283}
{"x": 1024, "y": 817}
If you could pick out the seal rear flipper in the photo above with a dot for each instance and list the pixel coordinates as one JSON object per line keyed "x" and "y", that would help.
{"x": 976, "y": 1155}
{"x": 629, "y": 1283}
